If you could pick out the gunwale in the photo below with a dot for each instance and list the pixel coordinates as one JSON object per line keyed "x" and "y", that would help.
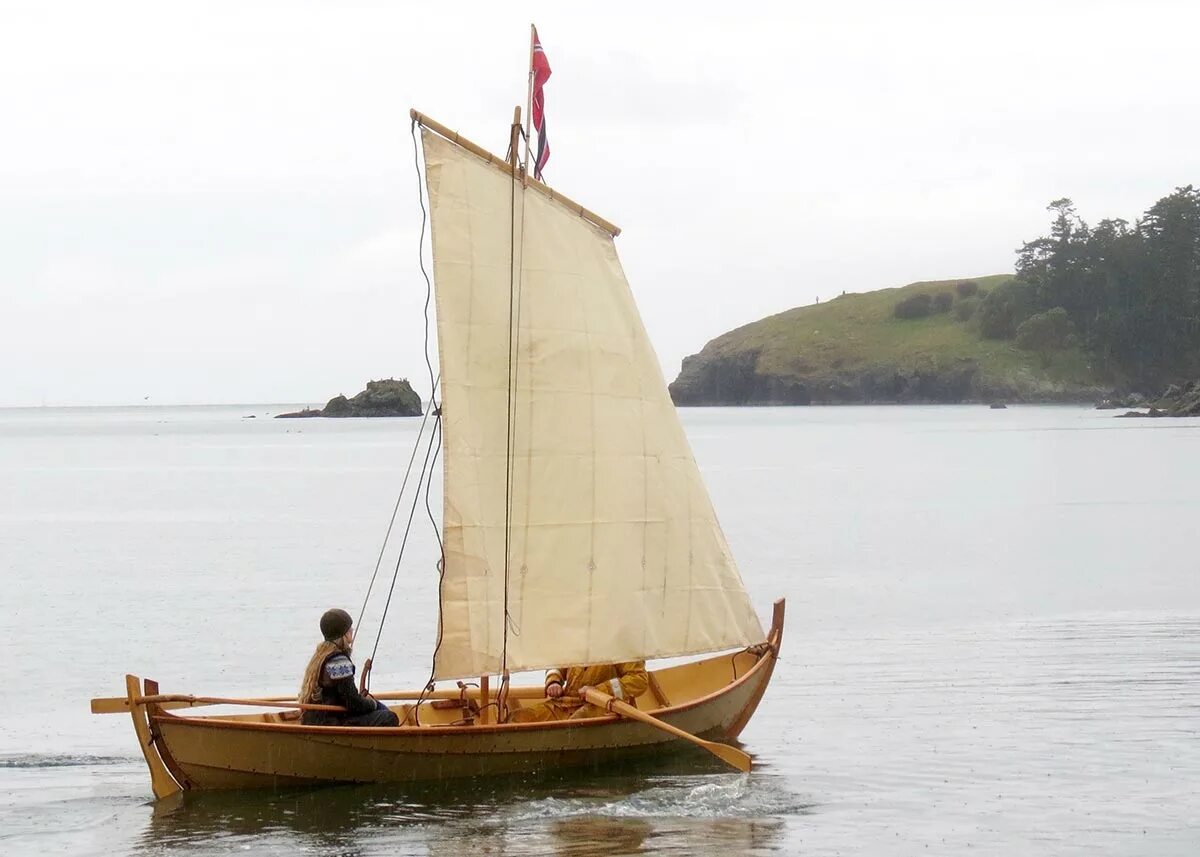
{"x": 766, "y": 659}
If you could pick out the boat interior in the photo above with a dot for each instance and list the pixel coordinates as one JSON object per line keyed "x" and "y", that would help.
{"x": 669, "y": 687}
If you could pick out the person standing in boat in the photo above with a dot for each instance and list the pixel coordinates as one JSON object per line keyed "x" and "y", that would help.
{"x": 329, "y": 680}
{"x": 565, "y": 688}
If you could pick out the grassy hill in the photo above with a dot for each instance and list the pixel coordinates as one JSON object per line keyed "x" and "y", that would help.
{"x": 855, "y": 349}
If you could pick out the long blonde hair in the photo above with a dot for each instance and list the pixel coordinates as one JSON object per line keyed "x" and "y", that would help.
{"x": 310, "y": 689}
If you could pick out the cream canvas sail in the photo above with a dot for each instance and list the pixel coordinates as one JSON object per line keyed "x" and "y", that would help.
{"x": 614, "y": 551}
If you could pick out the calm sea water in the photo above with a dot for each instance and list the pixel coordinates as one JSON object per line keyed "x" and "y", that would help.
{"x": 993, "y": 638}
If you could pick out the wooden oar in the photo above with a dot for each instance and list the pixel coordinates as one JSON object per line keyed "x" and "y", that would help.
{"x": 730, "y": 755}
{"x": 114, "y": 705}
{"x": 120, "y": 704}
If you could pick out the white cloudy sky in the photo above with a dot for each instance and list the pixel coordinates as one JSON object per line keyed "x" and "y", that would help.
{"x": 215, "y": 202}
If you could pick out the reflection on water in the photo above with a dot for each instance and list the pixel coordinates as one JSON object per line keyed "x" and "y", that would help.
{"x": 595, "y": 835}
{"x": 616, "y": 814}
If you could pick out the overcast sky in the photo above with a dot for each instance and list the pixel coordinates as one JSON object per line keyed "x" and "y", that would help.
{"x": 216, "y": 202}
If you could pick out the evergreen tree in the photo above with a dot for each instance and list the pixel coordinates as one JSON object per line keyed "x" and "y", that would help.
{"x": 1133, "y": 294}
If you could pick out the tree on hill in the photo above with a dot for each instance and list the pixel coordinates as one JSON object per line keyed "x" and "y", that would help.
{"x": 1005, "y": 307}
{"x": 914, "y": 306}
{"x": 1045, "y": 332}
{"x": 1132, "y": 293}
{"x": 1171, "y": 231}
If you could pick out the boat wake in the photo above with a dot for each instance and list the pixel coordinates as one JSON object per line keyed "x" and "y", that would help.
{"x": 690, "y": 797}
{"x": 61, "y": 760}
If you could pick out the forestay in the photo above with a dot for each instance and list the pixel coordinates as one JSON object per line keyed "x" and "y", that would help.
{"x": 615, "y": 553}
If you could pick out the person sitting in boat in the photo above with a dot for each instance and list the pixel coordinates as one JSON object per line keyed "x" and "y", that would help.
{"x": 565, "y": 689}
{"x": 329, "y": 680}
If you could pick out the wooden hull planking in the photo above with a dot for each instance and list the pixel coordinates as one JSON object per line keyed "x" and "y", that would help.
{"x": 712, "y": 698}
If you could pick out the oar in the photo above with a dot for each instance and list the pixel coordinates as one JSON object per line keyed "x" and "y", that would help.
{"x": 114, "y": 705}
{"x": 730, "y": 755}
{"x": 120, "y": 704}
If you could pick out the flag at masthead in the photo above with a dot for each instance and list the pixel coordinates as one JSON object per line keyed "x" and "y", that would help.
{"x": 539, "y": 73}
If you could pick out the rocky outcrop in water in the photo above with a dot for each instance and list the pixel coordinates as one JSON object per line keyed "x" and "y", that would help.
{"x": 386, "y": 398}
{"x": 1181, "y": 400}
{"x": 1153, "y": 412}
{"x": 1121, "y": 400}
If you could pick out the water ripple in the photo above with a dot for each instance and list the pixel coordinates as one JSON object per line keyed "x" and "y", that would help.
{"x": 60, "y": 760}
{"x": 726, "y": 796}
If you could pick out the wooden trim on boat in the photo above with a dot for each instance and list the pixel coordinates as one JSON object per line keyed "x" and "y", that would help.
{"x": 164, "y": 751}
{"x": 160, "y": 779}
{"x": 508, "y": 169}
{"x": 197, "y": 752}
{"x": 657, "y": 691}
{"x": 774, "y": 640}
{"x": 766, "y": 660}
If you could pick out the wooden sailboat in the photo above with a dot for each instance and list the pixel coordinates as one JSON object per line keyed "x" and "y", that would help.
{"x": 576, "y": 527}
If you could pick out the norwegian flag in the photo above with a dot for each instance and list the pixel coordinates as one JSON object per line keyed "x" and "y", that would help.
{"x": 541, "y": 73}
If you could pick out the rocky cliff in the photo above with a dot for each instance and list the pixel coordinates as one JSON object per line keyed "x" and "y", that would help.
{"x": 874, "y": 347}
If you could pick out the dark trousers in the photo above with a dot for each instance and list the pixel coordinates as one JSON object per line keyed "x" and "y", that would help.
{"x": 381, "y": 716}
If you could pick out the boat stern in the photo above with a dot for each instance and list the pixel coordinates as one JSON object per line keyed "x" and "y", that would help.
{"x": 161, "y": 781}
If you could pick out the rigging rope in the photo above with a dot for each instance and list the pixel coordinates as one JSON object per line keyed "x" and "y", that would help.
{"x": 435, "y": 435}
{"x": 437, "y": 428}
{"x": 434, "y": 443}
{"x": 437, "y": 534}
{"x": 441, "y": 566}
{"x": 391, "y": 523}
{"x": 421, "y": 259}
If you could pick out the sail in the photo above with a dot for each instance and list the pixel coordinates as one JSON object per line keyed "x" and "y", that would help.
{"x": 614, "y": 551}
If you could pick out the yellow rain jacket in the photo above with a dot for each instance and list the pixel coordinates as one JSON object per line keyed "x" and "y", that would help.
{"x": 625, "y": 681}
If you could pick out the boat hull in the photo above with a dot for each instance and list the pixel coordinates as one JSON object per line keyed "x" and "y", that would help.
{"x": 253, "y": 752}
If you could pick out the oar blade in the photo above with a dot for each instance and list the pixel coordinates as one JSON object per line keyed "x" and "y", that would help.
{"x": 110, "y": 705}
{"x": 731, "y": 756}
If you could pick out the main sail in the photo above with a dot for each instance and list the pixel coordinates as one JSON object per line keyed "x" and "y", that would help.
{"x": 562, "y": 446}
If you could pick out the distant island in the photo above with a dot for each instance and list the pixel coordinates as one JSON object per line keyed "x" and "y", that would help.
{"x": 1091, "y": 313}
{"x": 386, "y": 398}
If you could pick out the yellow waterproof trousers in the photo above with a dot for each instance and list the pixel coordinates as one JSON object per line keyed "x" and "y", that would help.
{"x": 625, "y": 681}
{"x": 552, "y": 709}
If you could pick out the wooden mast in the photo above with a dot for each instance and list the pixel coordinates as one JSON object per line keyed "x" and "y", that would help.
{"x": 514, "y": 159}
{"x": 514, "y": 140}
